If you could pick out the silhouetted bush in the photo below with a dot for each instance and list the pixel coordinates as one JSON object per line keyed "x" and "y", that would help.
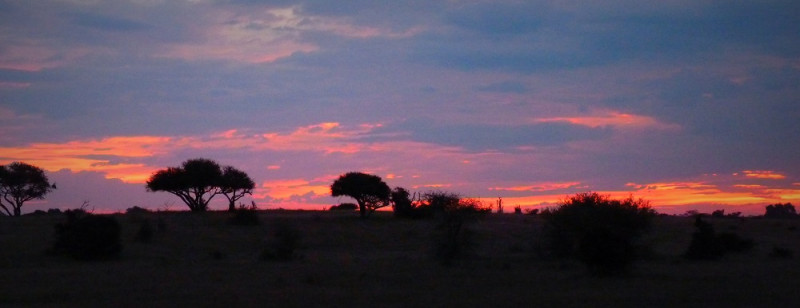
{"x": 600, "y": 232}
{"x": 283, "y": 244}
{"x": 88, "y": 237}
{"x": 245, "y": 216}
{"x": 732, "y": 242}
{"x": 145, "y": 232}
{"x": 778, "y": 210}
{"x": 718, "y": 213}
{"x": 402, "y": 206}
{"x": 518, "y": 210}
{"x": 707, "y": 245}
{"x": 344, "y": 207}
{"x": 136, "y": 210}
{"x": 781, "y": 253}
{"x": 453, "y": 238}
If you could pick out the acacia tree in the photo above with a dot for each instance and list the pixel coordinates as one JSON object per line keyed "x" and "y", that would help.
{"x": 196, "y": 182}
{"x": 235, "y": 185}
{"x": 369, "y": 191}
{"x": 19, "y": 183}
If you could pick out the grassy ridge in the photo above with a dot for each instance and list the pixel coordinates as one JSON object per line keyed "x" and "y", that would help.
{"x": 200, "y": 259}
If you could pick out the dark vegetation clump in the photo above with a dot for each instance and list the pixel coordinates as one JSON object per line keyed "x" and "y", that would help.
{"x": 454, "y": 239}
{"x": 245, "y": 216}
{"x": 283, "y": 244}
{"x": 145, "y": 232}
{"x": 598, "y": 231}
{"x": 402, "y": 204}
{"x": 453, "y": 236}
{"x": 344, "y": 207}
{"x": 88, "y": 237}
{"x": 781, "y": 253}
{"x": 708, "y": 245}
{"x": 778, "y": 210}
{"x": 136, "y": 210}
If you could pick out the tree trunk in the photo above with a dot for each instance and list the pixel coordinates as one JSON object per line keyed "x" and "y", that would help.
{"x": 363, "y": 209}
{"x": 231, "y": 206}
{"x": 17, "y": 211}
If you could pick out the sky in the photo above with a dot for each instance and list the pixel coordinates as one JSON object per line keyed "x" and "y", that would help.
{"x": 692, "y": 105}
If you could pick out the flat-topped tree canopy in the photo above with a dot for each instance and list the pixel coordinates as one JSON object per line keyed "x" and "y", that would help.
{"x": 196, "y": 182}
{"x": 369, "y": 191}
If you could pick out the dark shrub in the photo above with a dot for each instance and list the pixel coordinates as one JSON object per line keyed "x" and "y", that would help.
{"x": 402, "y": 206}
{"x": 707, "y": 245}
{"x": 136, "y": 210}
{"x": 599, "y": 231}
{"x": 781, "y": 253}
{"x": 344, "y": 207}
{"x": 732, "y": 242}
{"x": 88, "y": 237}
{"x": 245, "y": 216}
{"x": 453, "y": 238}
{"x": 518, "y": 210}
{"x": 704, "y": 245}
{"x": 283, "y": 244}
{"x": 145, "y": 232}
{"x": 718, "y": 213}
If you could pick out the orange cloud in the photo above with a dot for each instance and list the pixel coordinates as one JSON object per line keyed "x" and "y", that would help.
{"x": 763, "y": 174}
{"x": 612, "y": 119}
{"x": 285, "y": 189}
{"x": 111, "y": 155}
{"x": 92, "y": 155}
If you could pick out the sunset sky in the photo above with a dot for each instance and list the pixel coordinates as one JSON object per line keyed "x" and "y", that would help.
{"x": 689, "y": 104}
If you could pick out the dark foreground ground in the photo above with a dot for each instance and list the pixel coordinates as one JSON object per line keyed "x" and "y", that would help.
{"x": 201, "y": 260}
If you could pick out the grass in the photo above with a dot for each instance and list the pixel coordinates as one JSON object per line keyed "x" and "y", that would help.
{"x": 203, "y": 260}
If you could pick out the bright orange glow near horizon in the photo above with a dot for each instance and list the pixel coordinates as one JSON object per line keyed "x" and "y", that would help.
{"x": 124, "y": 158}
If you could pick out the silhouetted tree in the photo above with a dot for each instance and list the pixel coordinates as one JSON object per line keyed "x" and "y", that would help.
{"x": 235, "y": 185}
{"x": 19, "y": 183}
{"x": 599, "y": 231}
{"x": 778, "y": 210}
{"x": 369, "y": 191}
{"x": 196, "y": 182}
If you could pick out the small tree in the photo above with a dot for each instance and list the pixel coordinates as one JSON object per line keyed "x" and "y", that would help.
{"x": 19, "y": 183}
{"x": 778, "y": 210}
{"x": 196, "y": 182}
{"x": 402, "y": 206}
{"x": 235, "y": 184}
{"x": 369, "y": 191}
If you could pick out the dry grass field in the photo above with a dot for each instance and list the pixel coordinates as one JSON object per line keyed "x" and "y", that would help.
{"x": 202, "y": 260}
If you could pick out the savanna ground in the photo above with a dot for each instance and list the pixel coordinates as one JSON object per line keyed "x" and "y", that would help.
{"x": 201, "y": 260}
